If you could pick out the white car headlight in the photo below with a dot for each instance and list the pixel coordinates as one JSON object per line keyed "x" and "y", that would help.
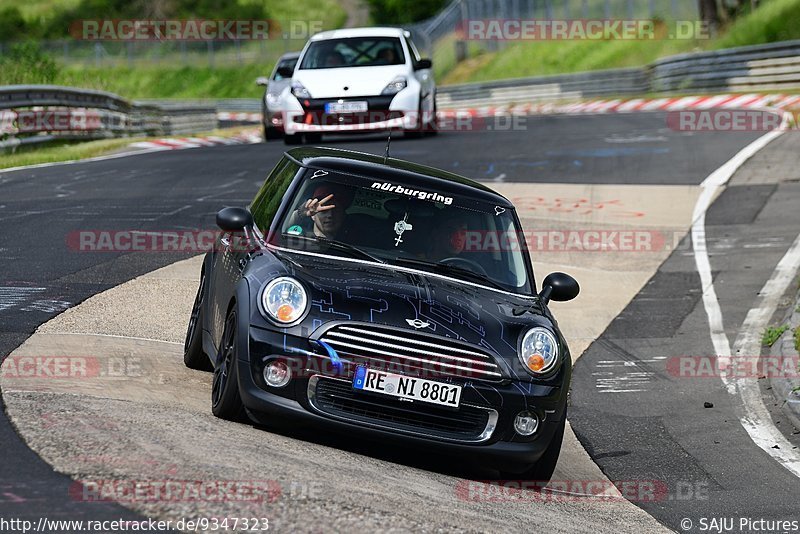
{"x": 284, "y": 300}
{"x": 395, "y": 86}
{"x": 273, "y": 100}
{"x": 539, "y": 350}
{"x": 299, "y": 90}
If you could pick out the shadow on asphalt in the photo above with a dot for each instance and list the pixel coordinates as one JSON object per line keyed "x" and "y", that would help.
{"x": 416, "y": 457}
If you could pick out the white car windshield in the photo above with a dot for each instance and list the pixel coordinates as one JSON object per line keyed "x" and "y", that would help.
{"x": 407, "y": 225}
{"x": 353, "y": 52}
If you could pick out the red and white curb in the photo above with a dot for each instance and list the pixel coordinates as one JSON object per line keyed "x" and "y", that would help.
{"x": 749, "y": 101}
{"x": 753, "y": 101}
{"x": 244, "y": 138}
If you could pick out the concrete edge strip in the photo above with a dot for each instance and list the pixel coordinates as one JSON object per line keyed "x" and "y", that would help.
{"x": 755, "y": 419}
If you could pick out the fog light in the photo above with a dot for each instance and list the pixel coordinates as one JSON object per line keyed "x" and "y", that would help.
{"x": 526, "y": 423}
{"x": 277, "y": 374}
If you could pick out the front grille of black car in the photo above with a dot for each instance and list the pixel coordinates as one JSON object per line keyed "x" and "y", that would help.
{"x": 337, "y": 397}
{"x": 410, "y": 353}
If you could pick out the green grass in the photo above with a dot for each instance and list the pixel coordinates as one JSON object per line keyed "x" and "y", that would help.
{"x": 327, "y": 10}
{"x": 775, "y": 20}
{"x": 73, "y": 150}
{"x": 175, "y": 75}
{"x": 63, "y": 152}
{"x": 165, "y": 82}
{"x": 797, "y": 339}
{"x": 34, "y": 9}
{"x": 773, "y": 334}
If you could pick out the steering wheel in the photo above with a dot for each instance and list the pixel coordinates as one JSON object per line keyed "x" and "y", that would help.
{"x": 465, "y": 263}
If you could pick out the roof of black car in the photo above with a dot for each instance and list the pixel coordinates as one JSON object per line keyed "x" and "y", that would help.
{"x": 374, "y": 166}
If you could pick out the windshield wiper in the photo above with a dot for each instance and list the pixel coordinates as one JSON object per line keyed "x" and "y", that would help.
{"x": 451, "y": 269}
{"x": 339, "y": 245}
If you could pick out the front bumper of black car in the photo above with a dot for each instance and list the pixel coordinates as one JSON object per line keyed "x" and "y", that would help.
{"x": 322, "y": 395}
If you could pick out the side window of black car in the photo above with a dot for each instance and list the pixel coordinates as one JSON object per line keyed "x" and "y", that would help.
{"x": 269, "y": 197}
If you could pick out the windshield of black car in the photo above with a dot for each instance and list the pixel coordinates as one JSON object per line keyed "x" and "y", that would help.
{"x": 409, "y": 226}
{"x": 353, "y": 52}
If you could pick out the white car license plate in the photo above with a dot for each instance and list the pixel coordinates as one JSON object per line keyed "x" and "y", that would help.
{"x": 407, "y": 387}
{"x": 346, "y": 107}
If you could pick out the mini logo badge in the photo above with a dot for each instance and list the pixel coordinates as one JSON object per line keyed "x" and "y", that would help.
{"x": 417, "y": 323}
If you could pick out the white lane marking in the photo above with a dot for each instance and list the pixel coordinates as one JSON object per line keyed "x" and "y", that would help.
{"x": 760, "y": 429}
{"x": 756, "y": 419}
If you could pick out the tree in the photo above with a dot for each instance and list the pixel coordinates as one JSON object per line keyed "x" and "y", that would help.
{"x": 709, "y": 13}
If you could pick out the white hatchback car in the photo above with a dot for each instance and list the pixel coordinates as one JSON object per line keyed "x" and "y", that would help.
{"x": 359, "y": 79}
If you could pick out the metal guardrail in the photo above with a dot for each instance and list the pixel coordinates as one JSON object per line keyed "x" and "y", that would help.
{"x": 34, "y": 114}
{"x": 774, "y": 66}
{"x": 542, "y": 89}
{"x": 769, "y": 67}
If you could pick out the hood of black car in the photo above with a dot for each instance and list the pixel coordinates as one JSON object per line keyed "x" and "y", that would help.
{"x": 365, "y": 292}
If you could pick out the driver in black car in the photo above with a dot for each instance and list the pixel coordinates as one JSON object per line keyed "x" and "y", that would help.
{"x": 324, "y": 213}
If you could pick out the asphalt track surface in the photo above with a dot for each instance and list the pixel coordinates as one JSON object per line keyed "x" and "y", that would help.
{"x": 654, "y": 425}
{"x": 41, "y": 276}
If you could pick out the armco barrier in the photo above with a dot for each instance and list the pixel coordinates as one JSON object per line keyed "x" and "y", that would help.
{"x": 542, "y": 89}
{"x": 34, "y": 114}
{"x": 769, "y": 67}
{"x": 760, "y": 68}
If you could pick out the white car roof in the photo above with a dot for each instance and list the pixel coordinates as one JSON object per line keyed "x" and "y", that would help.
{"x": 358, "y": 32}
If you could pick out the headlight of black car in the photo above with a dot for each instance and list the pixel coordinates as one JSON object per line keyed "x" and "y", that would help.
{"x": 538, "y": 351}
{"x": 284, "y": 301}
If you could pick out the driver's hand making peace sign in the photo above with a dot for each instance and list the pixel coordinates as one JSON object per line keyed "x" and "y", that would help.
{"x": 313, "y": 206}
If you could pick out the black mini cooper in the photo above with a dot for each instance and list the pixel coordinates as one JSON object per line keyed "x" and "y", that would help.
{"x": 377, "y": 296}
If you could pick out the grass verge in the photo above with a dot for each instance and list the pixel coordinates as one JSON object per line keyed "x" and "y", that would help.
{"x": 74, "y": 150}
{"x": 773, "y": 334}
{"x": 774, "y": 20}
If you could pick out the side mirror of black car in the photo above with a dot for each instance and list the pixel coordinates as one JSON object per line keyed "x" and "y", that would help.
{"x": 423, "y": 64}
{"x": 559, "y": 287}
{"x": 234, "y": 219}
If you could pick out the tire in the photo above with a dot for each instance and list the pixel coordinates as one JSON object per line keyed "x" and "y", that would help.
{"x": 271, "y": 134}
{"x": 419, "y": 128}
{"x": 193, "y": 355}
{"x": 433, "y": 127}
{"x": 542, "y": 470}
{"x": 293, "y": 139}
{"x": 226, "y": 403}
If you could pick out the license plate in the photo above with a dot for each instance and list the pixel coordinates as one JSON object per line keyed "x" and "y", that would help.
{"x": 346, "y": 107}
{"x": 407, "y": 387}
